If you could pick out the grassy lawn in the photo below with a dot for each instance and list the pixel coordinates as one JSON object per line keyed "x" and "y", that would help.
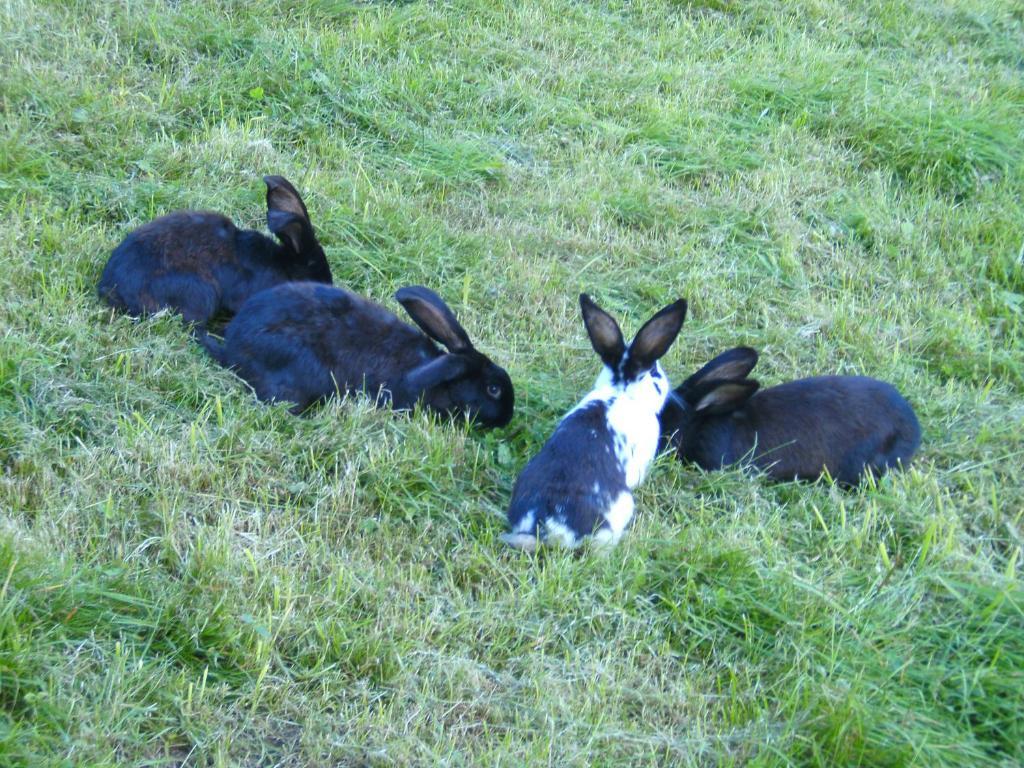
{"x": 188, "y": 577}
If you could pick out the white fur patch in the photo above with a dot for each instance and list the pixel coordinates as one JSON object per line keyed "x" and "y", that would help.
{"x": 526, "y": 523}
{"x": 522, "y": 541}
{"x": 633, "y": 417}
{"x": 560, "y": 533}
{"x": 618, "y": 516}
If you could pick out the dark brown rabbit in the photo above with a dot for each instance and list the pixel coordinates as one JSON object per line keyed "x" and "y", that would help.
{"x": 200, "y": 264}
{"x": 302, "y": 342}
{"x": 841, "y": 425}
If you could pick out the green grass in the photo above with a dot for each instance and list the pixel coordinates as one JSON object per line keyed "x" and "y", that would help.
{"x": 190, "y": 578}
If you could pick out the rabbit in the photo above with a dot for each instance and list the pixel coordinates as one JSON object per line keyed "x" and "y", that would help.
{"x": 302, "y": 342}
{"x": 580, "y": 482}
{"x": 200, "y": 264}
{"x": 844, "y": 426}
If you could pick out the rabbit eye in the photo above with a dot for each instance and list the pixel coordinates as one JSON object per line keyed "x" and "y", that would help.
{"x": 493, "y": 391}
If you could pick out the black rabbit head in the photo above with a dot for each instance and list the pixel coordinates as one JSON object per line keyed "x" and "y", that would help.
{"x": 719, "y": 387}
{"x": 288, "y": 219}
{"x": 463, "y": 381}
{"x": 722, "y": 385}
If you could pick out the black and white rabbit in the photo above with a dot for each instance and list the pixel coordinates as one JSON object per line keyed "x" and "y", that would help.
{"x": 581, "y": 481}
{"x": 200, "y": 264}
{"x": 842, "y": 425}
{"x": 302, "y": 342}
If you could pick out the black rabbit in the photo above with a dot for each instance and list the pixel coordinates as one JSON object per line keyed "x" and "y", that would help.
{"x": 840, "y": 425}
{"x": 302, "y": 342}
{"x": 200, "y": 264}
{"x": 581, "y": 483}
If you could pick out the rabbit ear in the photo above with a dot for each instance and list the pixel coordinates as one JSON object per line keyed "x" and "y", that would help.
{"x": 604, "y": 332}
{"x": 289, "y": 228}
{"x": 286, "y": 213}
{"x": 434, "y": 317}
{"x": 732, "y": 365}
{"x": 440, "y": 370}
{"x": 726, "y": 396}
{"x": 282, "y": 196}
{"x": 656, "y": 337}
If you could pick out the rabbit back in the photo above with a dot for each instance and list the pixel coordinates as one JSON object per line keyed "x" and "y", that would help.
{"x": 171, "y": 263}
{"x": 300, "y": 342}
{"x": 575, "y": 485}
{"x": 844, "y": 425}
{"x": 197, "y": 263}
